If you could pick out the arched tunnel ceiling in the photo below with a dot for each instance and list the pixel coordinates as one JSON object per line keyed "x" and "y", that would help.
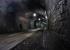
{"x": 36, "y": 4}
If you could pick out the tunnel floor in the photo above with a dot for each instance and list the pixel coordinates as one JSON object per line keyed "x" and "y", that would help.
{"x": 35, "y": 42}
{"x": 22, "y": 41}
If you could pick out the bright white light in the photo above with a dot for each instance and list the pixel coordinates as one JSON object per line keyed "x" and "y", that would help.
{"x": 46, "y": 17}
{"x": 39, "y": 19}
{"x": 45, "y": 12}
{"x": 34, "y": 14}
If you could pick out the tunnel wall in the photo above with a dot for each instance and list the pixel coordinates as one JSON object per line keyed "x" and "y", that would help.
{"x": 66, "y": 22}
{"x": 59, "y": 18}
{"x": 54, "y": 10}
{"x": 8, "y": 16}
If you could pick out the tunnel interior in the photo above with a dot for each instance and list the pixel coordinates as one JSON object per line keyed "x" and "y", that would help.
{"x": 17, "y": 14}
{"x": 51, "y": 16}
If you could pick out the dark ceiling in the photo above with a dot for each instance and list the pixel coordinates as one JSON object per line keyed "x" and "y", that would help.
{"x": 35, "y": 4}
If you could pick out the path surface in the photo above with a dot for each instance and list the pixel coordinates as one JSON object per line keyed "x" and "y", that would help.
{"x": 9, "y": 41}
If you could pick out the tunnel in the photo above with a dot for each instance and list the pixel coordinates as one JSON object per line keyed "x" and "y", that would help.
{"x": 34, "y": 25}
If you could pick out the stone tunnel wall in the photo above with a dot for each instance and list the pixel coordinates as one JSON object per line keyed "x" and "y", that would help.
{"x": 7, "y": 16}
{"x": 66, "y": 26}
{"x": 54, "y": 10}
{"x": 55, "y": 13}
{"x": 9, "y": 13}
